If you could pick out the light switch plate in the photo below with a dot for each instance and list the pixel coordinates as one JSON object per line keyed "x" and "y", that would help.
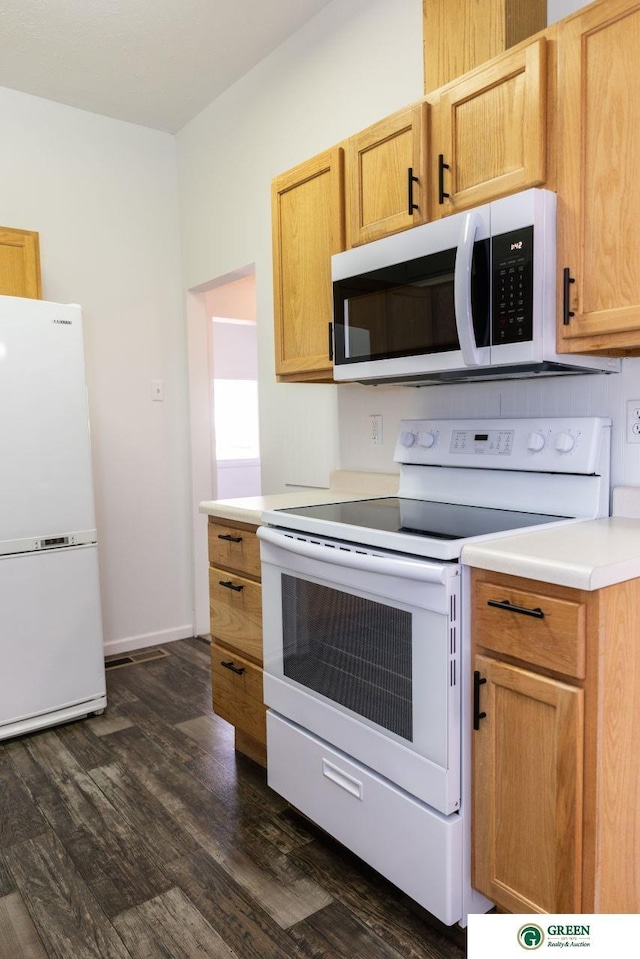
{"x": 157, "y": 391}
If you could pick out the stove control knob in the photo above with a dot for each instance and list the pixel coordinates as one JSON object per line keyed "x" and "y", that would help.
{"x": 426, "y": 440}
{"x": 407, "y": 438}
{"x": 565, "y": 442}
{"x": 536, "y": 442}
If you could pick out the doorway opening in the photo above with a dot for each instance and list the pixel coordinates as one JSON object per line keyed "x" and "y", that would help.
{"x": 222, "y": 359}
{"x": 233, "y": 376}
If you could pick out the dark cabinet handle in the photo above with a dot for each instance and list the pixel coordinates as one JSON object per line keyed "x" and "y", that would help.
{"x": 411, "y": 180}
{"x": 330, "y": 341}
{"x": 234, "y": 669}
{"x": 229, "y": 538}
{"x": 236, "y": 587}
{"x": 477, "y": 715}
{"x": 442, "y": 166}
{"x": 567, "y": 280}
{"x": 505, "y": 604}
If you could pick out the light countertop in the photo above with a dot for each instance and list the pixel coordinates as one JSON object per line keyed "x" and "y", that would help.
{"x": 345, "y": 485}
{"x": 584, "y": 555}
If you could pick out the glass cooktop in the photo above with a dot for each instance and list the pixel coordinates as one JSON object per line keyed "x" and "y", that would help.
{"x": 442, "y": 521}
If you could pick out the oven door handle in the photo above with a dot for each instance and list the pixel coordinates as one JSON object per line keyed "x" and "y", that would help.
{"x": 462, "y": 290}
{"x": 425, "y": 571}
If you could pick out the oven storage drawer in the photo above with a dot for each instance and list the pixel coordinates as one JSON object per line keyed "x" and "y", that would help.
{"x": 416, "y": 848}
{"x": 546, "y": 628}
{"x": 236, "y": 612}
{"x": 237, "y": 692}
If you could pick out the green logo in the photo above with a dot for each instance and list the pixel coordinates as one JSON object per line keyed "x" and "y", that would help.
{"x": 530, "y": 936}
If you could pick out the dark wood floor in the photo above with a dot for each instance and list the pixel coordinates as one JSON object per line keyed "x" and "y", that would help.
{"x": 141, "y": 834}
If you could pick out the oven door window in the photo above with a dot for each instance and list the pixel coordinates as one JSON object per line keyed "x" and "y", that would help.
{"x": 408, "y": 309}
{"x": 352, "y": 650}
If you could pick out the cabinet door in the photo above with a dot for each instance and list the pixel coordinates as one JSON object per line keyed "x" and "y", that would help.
{"x": 19, "y": 263}
{"x": 386, "y": 189}
{"x": 308, "y": 227}
{"x": 527, "y": 787}
{"x": 598, "y": 182}
{"x": 490, "y": 132}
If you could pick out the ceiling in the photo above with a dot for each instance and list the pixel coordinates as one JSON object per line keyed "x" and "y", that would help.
{"x": 153, "y": 62}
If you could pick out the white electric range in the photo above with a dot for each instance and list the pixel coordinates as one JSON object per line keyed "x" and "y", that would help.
{"x": 366, "y": 637}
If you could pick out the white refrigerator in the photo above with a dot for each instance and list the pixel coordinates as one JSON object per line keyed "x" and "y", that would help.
{"x": 51, "y": 648}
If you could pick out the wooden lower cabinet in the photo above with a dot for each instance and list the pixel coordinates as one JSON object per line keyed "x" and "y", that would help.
{"x": 235, "y": 602}
{"x": 528, "y": 788}
{"x": 556, "y": 768}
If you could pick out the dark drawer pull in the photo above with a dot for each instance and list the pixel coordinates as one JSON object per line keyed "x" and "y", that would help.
{"x": 411, "y": 180}
{"x": 477, "y": 715}
{"x": 505, "y": 604}
{"x": 234, "y": 669}
{"x": 236, "y": 587}
{"x": 442, "y": 166}
{"x": 567, "y": 280}
{"x": 229, "y": 538}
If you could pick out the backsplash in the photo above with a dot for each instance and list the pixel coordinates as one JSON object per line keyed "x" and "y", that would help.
{"x": 588, "y": 395}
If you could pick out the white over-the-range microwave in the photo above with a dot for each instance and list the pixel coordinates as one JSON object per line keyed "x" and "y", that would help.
{"x": 469, "y": 297}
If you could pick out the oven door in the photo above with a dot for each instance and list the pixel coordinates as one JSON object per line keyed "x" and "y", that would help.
{"x": 361, "y": 648}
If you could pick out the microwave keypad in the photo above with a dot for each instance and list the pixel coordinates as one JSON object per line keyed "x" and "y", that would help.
{"x": 512, "y": 255}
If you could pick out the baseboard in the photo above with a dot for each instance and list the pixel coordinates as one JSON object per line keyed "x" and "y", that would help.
{"x": 117, "y": 646}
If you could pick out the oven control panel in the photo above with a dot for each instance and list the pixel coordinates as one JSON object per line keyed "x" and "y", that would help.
{"x": 544, "y": 444}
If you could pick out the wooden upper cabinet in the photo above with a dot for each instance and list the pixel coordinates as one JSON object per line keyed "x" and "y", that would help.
{"x": 489, "y": 131}
{"x": 308, "y": 227}
{"x": 463, "y": 35}
{"x": 19, "y": 263}
{"x": 598, "y": 181}
{"x": 386, "y": 176}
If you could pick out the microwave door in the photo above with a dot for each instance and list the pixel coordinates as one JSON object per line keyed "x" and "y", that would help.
{"x": 472, "y": 354}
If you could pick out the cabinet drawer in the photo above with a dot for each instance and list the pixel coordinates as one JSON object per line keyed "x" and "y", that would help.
{"x": 546, "y": 631}
{"x": 237, "y": 692}
{"x": 235, "y": 604}
{"x": 234, "y": 547}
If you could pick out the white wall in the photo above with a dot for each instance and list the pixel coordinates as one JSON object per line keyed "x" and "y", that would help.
{"x": 102, "y": 195}
{"x": 352, "y": 64}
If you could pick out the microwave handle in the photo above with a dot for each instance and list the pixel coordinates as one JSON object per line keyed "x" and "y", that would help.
{"x": 462, "y": 290}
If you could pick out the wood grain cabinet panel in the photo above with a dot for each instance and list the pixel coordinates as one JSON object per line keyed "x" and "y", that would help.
{"x": 556, "y": 766}
{"x": 386, "y": 175}
{"x": 237, "y": 692}
{"x": 489, "y": 131}
{"x": 308, "y": 227}
{"x": 598, "y": 182}
{"x": 235, "y": 602}
{"x": 236, "y": 612}
{"x": 20, "y": 263}
{"x": 543, "y": 630}
{"x": 234, "y": 547}
{"x": 463, "y": 35}
{"x": 528, "y": 790}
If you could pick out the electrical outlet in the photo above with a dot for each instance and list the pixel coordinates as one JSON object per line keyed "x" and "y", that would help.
{"x": 633, "y": 421}
{"x": 375, "y": 429}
